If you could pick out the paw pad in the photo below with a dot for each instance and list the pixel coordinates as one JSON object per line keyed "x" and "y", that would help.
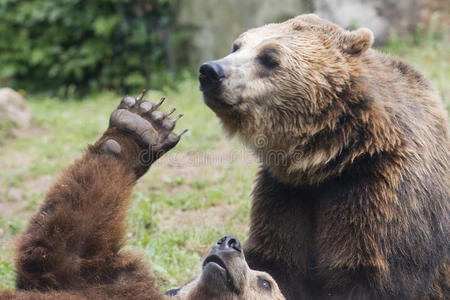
{"x": 142, "y": 119}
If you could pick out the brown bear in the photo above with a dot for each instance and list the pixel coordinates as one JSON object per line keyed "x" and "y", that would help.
{"x": 72, "y": 248}
{"x": 352, "y": 200}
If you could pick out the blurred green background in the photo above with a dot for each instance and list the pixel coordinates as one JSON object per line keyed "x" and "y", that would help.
{"x": 73, "y": 61}
{"x": 72, "y": 46}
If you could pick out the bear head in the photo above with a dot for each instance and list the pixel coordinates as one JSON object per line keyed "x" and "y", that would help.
{"x": 226, "y": 276}
{"x": 282, "y": 84}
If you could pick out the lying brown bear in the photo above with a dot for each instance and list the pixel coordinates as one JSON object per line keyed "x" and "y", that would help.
{"x": 72, "y": 248}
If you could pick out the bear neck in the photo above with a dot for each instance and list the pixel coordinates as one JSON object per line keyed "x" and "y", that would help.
{"x": 356, "y": 128}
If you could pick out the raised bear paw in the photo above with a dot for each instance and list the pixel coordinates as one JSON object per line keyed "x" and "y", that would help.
{"x": 150, "y": 128}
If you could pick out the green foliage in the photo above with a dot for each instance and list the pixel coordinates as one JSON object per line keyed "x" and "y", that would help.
{"x": 73, "y": 46}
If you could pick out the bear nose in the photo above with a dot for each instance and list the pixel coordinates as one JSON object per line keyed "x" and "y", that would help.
{"x": 212, "y": 70}
{"x": 211, "y": 75}
{"x": 229, "y": 242}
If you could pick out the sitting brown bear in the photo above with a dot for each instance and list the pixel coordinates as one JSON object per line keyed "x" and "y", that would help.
{"x": 72, "y": 246}
{"x": 353, "y": 197}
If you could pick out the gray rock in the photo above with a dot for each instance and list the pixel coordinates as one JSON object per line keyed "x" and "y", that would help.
{"x": 13, "y": 107}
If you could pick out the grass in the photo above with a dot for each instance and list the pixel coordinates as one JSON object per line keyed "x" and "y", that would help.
{"x": 189, "y": 199}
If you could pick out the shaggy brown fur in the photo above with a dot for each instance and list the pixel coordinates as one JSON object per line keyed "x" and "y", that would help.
{"x": 72, "y": 244}
{"x": 352, "y": 201}
{"x": 71, "y": 248}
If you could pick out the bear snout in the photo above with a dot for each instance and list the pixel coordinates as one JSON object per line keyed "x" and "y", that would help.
{"x": 229, "y": 242}
{"x": 211, "y": 76}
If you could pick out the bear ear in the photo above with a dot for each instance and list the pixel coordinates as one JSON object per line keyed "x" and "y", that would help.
{"x": 358, "y": 41}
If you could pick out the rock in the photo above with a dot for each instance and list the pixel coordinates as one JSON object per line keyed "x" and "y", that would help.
{"x": 13, "y": 107}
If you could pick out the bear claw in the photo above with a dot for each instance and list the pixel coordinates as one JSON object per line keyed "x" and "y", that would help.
{"x": 141, "y": 95}
{"x": 177, "y": 117}
{"x": 182, "y": 132}
{"x": 158, "y": 104}
{"x": 166, "y": 114}
{"x": 142, "y": 119}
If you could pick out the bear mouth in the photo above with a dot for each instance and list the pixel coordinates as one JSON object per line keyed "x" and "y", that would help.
{"x": 218, "y": 263}
{"x": 213, "y": 101}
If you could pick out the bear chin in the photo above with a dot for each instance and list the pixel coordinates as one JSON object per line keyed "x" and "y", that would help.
{"x": 216, "y": 276}
{"x": 217, "y": 103}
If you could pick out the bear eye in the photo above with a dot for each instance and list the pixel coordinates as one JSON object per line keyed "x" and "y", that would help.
{"x": 264, "y": 284}
{"x": 269, "y": 58}
{"x": 235, "y": 47}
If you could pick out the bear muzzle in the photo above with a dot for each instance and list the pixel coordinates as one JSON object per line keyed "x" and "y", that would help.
{"x": 211, "y": 76}
{"x": 225, "y": 264}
